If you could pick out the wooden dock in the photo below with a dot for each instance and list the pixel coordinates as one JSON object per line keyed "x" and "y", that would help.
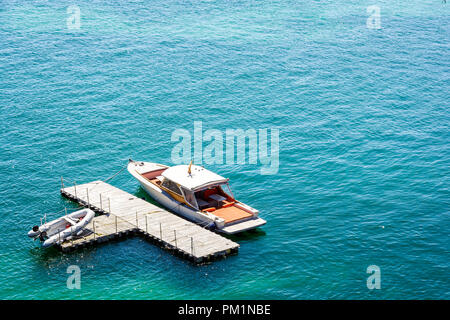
{"x": 122, "y": 214}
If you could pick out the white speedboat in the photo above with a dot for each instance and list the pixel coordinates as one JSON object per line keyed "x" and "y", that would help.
{"x": 197, "y": 194}
{"x": 61, "y": 229}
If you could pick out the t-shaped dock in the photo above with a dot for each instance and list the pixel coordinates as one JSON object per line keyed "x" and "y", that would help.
{"x": 122, "y": 213}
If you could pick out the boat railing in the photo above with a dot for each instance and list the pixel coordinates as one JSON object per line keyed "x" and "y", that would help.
{"x": 141, "y": 224}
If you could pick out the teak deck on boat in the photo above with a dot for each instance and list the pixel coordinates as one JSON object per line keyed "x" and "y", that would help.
{"x": 124, "y": 213}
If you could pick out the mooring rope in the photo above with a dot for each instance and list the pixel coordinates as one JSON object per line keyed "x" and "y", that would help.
{"x": 106, "y": 180}
{"x": 114, "y": 175}
{"x": 110, "y": 178}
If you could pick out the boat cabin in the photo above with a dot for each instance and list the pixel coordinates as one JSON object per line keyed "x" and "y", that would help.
{"x": 199, "y": 187}
{"x": 201, "y": 190}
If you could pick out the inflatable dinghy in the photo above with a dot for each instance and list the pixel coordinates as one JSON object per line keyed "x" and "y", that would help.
{"x": 56, "y": 231}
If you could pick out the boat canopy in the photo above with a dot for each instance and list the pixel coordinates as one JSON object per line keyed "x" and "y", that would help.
{"x": 199, "y": 177}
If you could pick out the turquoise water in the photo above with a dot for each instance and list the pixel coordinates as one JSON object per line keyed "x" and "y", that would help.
{"x": 364, "y": 141}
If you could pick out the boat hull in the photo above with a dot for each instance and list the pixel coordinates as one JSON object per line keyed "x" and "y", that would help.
{"x": 204, "y": 219}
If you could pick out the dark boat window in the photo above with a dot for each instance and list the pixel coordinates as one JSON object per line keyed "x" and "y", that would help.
{"x": 172, "y": 186}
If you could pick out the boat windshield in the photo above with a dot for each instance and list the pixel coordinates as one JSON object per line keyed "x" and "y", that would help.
{"x": 227, "y": 190}
{"x": 214, "y": 196}
{"x": 189, "y": 197}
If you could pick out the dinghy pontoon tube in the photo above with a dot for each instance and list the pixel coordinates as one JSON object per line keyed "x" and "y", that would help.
{"x": 58, "y": 230}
